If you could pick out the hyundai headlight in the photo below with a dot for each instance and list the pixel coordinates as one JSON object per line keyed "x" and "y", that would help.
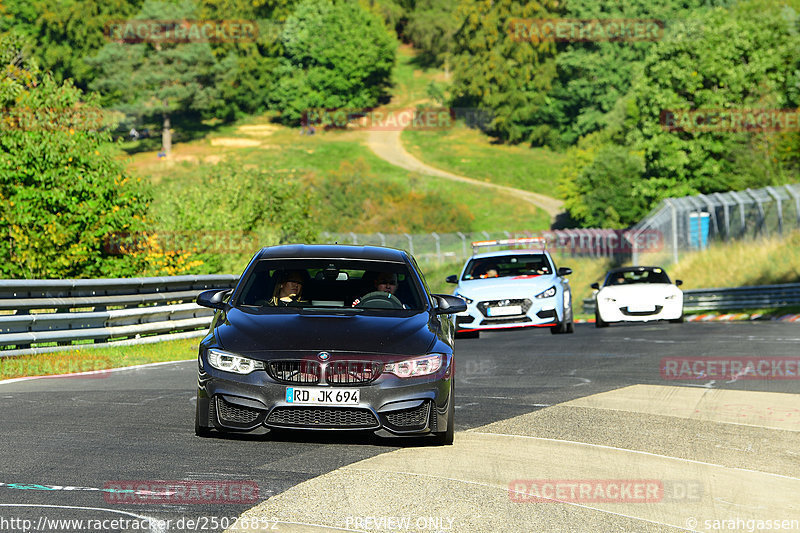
{"x": 419, "y": 366}
{"x": 468, "y": 300}
{"x": 549, "y": 293}
{"x": 230, "y": 362}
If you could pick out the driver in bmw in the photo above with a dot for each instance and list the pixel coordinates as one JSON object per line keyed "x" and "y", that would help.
{"x": 384, "y": 282}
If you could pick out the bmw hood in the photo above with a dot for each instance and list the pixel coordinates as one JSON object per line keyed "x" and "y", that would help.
{"x": 253, "y": 333}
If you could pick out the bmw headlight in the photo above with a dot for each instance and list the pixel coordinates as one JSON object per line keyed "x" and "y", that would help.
{"x": 419, "y": 366}
{"x": 549, "y": 293}
{"x": 230, "y": 362}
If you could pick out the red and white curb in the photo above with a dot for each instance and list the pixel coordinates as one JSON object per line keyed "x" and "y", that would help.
{"x": 714, "y": 317}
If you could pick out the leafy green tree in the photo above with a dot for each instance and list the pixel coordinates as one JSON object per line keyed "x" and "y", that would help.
{"x": 64, "y": 33}
{"x": 63, "y": 193}
{"x": 493, "y": 72}
{"x": 243, "y": 208}
{"x": 593, "y": 75}
{"x": 160, "y": 79}
{"x": 336, "y": 55}
{"x": 431, "y": 27}
{"x": 247, "y": 66}
{"x": 738, "y": 59}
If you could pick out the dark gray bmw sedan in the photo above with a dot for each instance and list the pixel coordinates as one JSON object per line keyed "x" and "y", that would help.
{"x": 329, "y": 337}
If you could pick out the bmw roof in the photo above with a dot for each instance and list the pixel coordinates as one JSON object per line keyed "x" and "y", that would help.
{"x": 333, "y": 251}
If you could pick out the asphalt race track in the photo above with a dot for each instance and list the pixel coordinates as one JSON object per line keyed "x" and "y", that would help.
{"x": 534, "y": 410}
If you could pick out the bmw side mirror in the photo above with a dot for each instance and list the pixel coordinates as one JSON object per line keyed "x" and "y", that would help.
{"x": 452, "y": 279}
{"x": 448, "y": 304}
{"x": 564, "y": 271}
{"x": 596, "y": 286}
{"x": 678, "y": 282}
{"x": 214, "y": 298}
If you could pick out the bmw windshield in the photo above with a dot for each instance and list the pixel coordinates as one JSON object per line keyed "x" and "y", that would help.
{"x": 332, "y": 284}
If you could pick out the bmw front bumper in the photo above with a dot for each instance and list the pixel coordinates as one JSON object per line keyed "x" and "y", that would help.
{"x": 403, "y": 406}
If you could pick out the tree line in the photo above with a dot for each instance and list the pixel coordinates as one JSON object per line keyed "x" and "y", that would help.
{"x": 602, "y": 101}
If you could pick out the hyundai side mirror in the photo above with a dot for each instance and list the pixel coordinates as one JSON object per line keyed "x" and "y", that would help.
{"x": 564, "y": 271}
{"x": 452, "y": 279}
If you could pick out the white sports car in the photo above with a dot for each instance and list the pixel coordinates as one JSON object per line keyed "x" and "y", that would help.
{"x": 513, "y": 288}
{"x": 637, "y": 294}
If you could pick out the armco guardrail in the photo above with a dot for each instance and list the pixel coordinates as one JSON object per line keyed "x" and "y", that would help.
{"x": 99, "y": 311}
{"x": 756, "y": 297}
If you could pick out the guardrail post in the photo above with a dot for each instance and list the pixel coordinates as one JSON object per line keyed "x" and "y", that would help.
{"x": 743, "y": 226}
{"x": 761, "y": 217}
{"x": 674, "y": 217}
{"x": 382, "y": 238}
{"x": 796, "y": 203}
{"x": 353, "y": 236}
{"x": 777, "y": 197}
{"x": 410, "y": 243}
{"x": 438, "y": 247}
{"x": 463, "y": 244}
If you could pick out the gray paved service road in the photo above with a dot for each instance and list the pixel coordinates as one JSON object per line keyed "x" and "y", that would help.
{"x": 63, "y": 438}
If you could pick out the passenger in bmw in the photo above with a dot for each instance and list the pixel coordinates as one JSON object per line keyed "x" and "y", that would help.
{"x": 289, "y": 288}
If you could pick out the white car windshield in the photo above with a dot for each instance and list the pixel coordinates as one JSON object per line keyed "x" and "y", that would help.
{"x": 507, "y": 266}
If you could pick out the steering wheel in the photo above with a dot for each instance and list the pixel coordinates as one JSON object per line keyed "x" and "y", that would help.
{"x": 380, "y": 300}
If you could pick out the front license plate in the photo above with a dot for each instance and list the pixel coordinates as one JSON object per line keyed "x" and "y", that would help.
{"x": 504, "y": 311}
{"x": 319, "y": 396}
{"x": 641, "y": 308}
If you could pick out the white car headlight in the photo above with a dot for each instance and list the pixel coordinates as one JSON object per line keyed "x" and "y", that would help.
{"x": 549, "y": 293}
{"x": 230, "y": 362}
{"x": 419, "y": 366}
{"x": 468, "y": 300}
{"x": 671, "y": 297}
{"x": 609, "y": 299}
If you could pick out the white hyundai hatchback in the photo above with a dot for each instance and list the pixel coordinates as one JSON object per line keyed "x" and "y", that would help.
{"x": 513, "y": 289}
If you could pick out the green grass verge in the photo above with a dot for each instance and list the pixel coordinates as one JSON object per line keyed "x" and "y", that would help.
{"x": 286, "y": 152}
{"x": 470, "y": 153}
{"x": 89, "y": 359}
